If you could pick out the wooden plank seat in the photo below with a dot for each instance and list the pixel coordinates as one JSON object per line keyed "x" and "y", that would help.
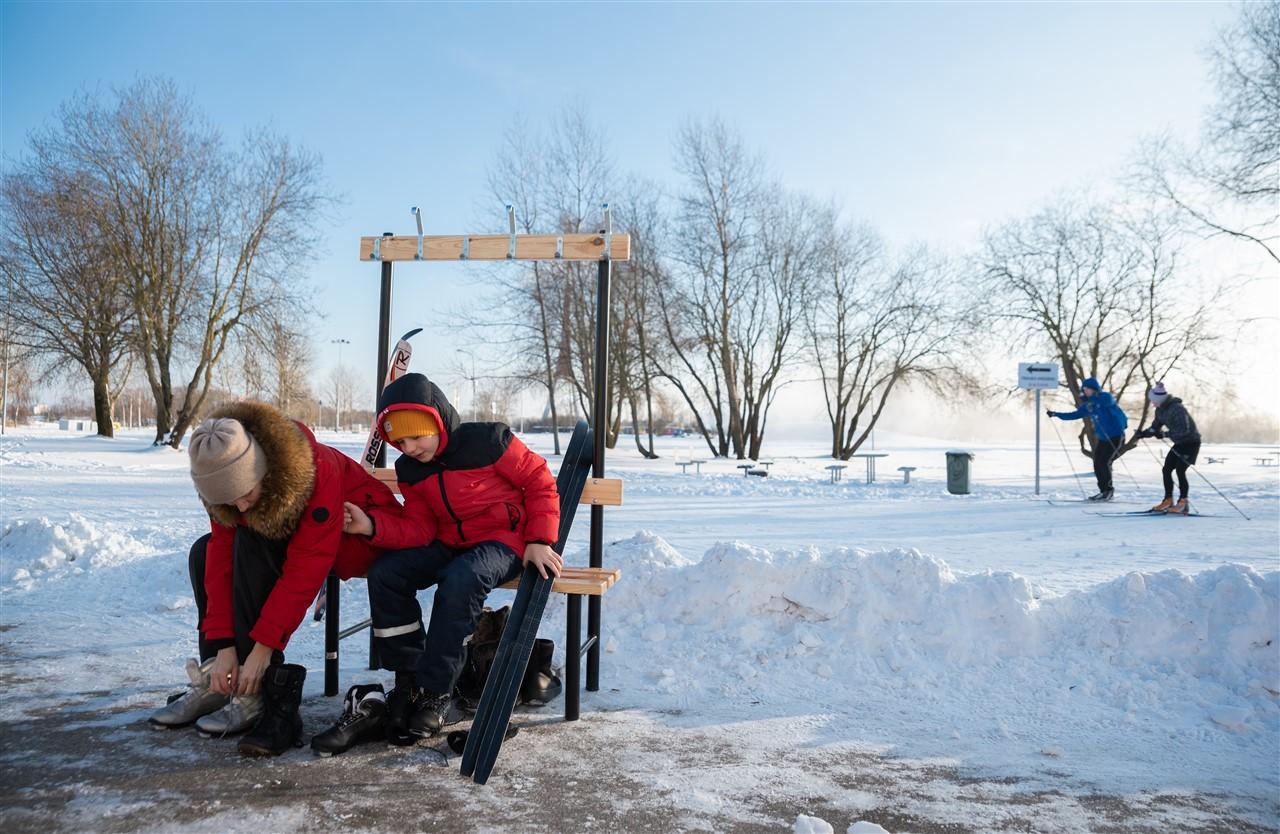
{"x": 574, "y": 582}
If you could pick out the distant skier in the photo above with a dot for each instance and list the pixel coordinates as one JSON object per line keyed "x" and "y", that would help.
{"x": 1109, "y": 424}
{"x": 1172, "y": 420}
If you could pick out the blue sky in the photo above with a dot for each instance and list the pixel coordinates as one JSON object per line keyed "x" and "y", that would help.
{"x": 930, "y": 120}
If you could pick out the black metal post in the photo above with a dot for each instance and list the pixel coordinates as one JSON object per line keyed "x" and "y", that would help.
{"x": 573, "y": 657}
{"x": 384, "y": 350}
{"x": 600, "y": 417}
{"x": 331, "y": 636}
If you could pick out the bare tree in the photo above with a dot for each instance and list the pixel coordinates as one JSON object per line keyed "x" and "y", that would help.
{"x": 339, "y": 394}
{"x": 876, "y": 325}
{"x": 1230, "y": 185}
{"x": 1099, "y": 291}
{"x": 64, "y": 293}
{"x": 207, "y": 240}
{"x": 745, "y": 255}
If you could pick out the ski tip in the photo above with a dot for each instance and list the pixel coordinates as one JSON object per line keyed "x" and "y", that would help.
{"x": 415, "y": 331}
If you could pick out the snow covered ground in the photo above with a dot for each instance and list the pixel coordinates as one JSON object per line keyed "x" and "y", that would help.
{"x": 782, "y": 653}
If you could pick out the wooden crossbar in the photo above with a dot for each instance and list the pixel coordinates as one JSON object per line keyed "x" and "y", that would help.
{"x": 577, "y": 247}
{"x": 603, "y": 492}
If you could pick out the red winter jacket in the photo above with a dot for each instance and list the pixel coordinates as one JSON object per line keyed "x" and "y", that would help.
{"x": 302, "y": 496}
{"x": 483, "y": 484}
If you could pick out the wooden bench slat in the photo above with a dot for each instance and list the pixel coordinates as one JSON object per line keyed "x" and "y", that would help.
{"x": 588, "y": 581}
{"x": 604, "y": 492}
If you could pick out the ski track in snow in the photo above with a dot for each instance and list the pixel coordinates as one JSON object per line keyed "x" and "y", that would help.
{"x": 990, "y": 632}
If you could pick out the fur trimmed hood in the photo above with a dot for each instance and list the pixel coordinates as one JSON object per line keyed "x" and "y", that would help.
{"x": 291, "y": 471}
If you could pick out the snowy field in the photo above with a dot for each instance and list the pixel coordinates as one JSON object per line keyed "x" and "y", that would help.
{"x": 782, "y": 654}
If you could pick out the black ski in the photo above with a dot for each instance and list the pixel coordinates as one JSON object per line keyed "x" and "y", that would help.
{"x": 502, "y": 686}
{"x": 1140, "y": 513}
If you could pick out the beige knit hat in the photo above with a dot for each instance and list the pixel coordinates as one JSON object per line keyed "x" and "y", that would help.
{"x": 226, "y": 462}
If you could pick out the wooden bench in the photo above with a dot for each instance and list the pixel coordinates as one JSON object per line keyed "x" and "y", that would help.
{"x": 836, "y": 469}
{"x": 574, "y": 582}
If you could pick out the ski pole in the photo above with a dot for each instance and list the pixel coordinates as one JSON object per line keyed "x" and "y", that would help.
{"x": 1063, "y": 443}
{"x": 1192, "y": 467}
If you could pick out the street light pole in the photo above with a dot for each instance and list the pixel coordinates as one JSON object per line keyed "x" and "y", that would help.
{"x": 337, "y": 404}
{"x": 475, "y": 414}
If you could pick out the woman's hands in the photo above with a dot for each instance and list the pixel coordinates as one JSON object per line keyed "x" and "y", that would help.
{"x": 228, "y": 677}
{"x": 355, "y": 520}
{"x": 544, "y": 558}
{"x": 225, "y": 673}
{"x": 255, "y": 665}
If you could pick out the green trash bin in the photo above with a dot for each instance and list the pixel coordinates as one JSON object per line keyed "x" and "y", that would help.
{"x": 958, "y": 472}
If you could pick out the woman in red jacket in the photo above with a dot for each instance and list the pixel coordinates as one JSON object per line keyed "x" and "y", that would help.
{"x": 477, "y": 502}
{"x": 275, "y": 498}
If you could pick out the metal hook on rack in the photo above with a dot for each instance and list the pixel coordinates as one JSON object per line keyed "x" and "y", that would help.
{"x": 608, "y": 230}
{"x": 511, "y": 223}
{"x": 417, "y": 215}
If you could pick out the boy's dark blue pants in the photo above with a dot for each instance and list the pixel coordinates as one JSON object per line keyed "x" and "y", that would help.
{"x": 463, "y": 578}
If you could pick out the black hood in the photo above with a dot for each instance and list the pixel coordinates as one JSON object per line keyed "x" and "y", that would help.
{"x": 416, "y": 389}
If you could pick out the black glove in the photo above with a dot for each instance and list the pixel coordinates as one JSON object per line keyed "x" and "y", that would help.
{"x": 1050, "y": 412}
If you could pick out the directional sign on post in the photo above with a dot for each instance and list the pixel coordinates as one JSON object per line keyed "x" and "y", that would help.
{"x": 1037, "y": 376}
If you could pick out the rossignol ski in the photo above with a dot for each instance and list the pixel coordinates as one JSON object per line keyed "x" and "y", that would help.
{"x": 398, "y": 365}
{"x": 373, "y": 446}
{"x": 502, "y": 686}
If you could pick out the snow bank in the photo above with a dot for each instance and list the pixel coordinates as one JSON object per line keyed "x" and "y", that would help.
{"x": 38, "y": 549}
{"x": 815, "y": 624}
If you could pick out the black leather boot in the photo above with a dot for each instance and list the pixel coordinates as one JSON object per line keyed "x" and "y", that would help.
{"x": 280, "y": 726}
{"x": 541, "y": 684}
{"x": 364, "y": 713}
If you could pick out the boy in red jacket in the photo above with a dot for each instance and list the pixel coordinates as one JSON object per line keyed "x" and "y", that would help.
{"x": 477, "y": 503}
{"x": 275, "y": 498}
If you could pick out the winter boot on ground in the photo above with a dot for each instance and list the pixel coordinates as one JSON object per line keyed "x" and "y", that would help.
{"x": 198, "y": 701}
{"x": 1163, "y": 506}
{"x": 1180, "y": 507}
{"x": 402, "y": 703}
{"x": 1104, "y": 495}
{"x": 429, "y": 714}
{"x": 280, "y": 726}
{"x": 237, "y": 716}
{"x": 364, "y": 718}
{"x": 540, "y": 685}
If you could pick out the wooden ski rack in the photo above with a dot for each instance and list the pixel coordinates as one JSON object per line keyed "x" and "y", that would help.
{"x": 590, "y": 247}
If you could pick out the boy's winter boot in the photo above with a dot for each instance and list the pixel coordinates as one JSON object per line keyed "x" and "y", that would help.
{"x": 429, "y": 714}
{"x": 402, "y": 703}
{"x": 240, "y": 714}
{"x": 198, "y": 701}
{"x": 1163, "y": 506}
{"x": 1180, "y": 507}
{"x": 540, "y": 685}
{"x": 364, "y": 714}
{"x": 1108, "y": 494}
{"x": 280, "y": 726}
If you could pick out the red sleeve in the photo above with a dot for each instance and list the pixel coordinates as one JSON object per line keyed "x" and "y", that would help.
{"x": 412, "y": 525}
{"x": 528, "y": 471}
{"x": 309, "y": 557}
{"x": 217, "y": 583}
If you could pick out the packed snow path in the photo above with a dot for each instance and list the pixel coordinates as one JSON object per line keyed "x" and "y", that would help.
{"x": 777, "y": 647}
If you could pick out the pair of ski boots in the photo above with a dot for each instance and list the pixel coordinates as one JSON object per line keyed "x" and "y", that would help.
{"x": 1168, "y": 505}
{"x": 271, "y": 719}
{"x": 403, "y": 716}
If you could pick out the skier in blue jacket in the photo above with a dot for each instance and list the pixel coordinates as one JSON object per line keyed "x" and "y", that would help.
{"x": 1109, "y": 424}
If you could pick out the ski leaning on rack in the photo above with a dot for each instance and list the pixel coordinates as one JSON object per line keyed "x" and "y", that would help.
{"x": 373, "y": 446}
{"x": 398, "y": 365}
{"x": 502, "y": 686}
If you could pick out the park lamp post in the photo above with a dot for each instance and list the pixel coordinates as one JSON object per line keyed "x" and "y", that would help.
{"x": 337, "y": 400}
{"x": 475, "y": 406}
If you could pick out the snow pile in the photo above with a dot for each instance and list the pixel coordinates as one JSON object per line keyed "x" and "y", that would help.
{"x": 39, "y": 549}
{"x": 814, "y": 625}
